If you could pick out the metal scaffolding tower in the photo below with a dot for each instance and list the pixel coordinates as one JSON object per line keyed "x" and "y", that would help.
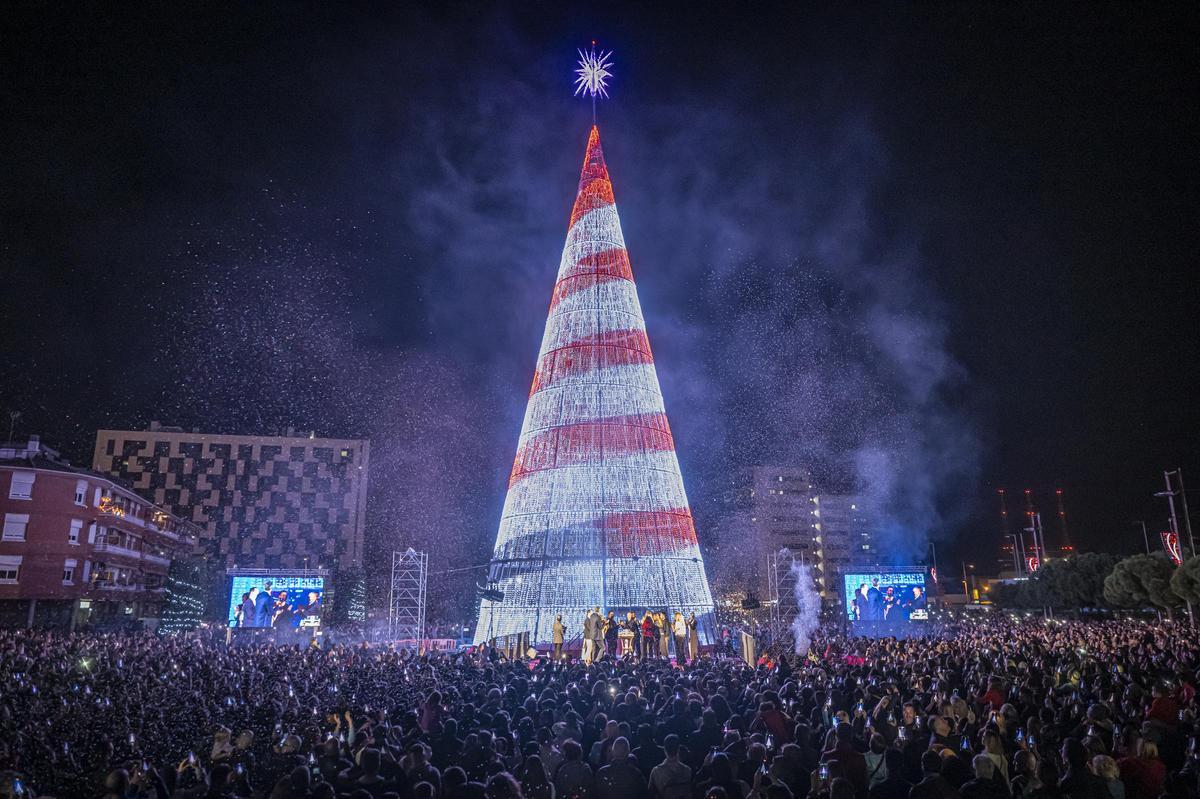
{"x": 406, "y": 616}
{"x": 782, "y": 582}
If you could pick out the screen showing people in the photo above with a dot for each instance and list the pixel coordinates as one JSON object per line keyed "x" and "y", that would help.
{"x": 278, "y": 601}
{"x": 886, "y": 596}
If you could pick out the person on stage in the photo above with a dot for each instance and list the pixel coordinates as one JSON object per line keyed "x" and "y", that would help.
{"x": 679, "y": 628}
{"x": 635, "y": 629}
{"x": 281, "y": 616}
{"x": 875, "y": 601}
{"x": 693, "y": 637}
{"x": 245, "y": 611}
{"x": 560, "y": 630}
{"x": 647, "y": 639}
{"x": 862, "y": 606}
{"x": 916, "y": 603}
{"x": 313, "y": 608}
{"x": 890, "y": 602}
{"x": 664, "y": 635}
{"x": 611, "y": 628}
{"x": 597, "y": 634}
{"x": 586, "y": 654}
{"x": 264, "y": 604}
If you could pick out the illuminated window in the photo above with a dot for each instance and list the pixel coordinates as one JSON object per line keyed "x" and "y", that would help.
{"x": 22, "y": 485}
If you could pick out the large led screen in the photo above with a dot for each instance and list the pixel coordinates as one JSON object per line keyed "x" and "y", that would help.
{"x": 281, "y": 601}
{"x": 886, "y": 596}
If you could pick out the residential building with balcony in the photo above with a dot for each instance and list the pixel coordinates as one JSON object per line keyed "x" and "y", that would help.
{"x": 79, "y": 547}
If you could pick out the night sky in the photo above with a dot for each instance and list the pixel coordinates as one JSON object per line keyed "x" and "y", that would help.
{"x": 931, "y": 251}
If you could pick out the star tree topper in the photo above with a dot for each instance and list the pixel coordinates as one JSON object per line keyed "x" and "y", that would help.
{"x": 594, "y": 72}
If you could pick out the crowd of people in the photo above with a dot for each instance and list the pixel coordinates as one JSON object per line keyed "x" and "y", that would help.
{"x": 998, "y": 708}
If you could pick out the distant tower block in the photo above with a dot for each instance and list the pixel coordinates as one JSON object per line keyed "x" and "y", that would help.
{"x": 596, "y": 514}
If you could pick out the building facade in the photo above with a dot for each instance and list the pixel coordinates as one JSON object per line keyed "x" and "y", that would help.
{"x": 80, "y": 547}
{"x": 847, "y": 537}
{"x": 769, "y": 509}
{"x": 277, "y": 502}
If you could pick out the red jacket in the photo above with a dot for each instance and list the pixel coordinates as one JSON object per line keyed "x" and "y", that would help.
{"x": 993, "y": 697}
{"x": 1164, "y": 709}
{"x": 1142, "y": 777}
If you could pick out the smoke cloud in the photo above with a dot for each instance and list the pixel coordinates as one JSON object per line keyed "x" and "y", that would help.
{"x": 808, "y": 608}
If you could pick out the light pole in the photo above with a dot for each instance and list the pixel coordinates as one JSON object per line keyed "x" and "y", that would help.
{"x": 1170, "y": 495}
{"x": 1145, "y": 535}
{"x": 1187, "y": 519}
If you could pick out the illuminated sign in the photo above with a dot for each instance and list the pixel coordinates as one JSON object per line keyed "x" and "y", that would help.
{"x": 1171, "y": 545}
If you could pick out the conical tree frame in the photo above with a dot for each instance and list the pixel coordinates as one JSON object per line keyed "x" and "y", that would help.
{"x": 596, "y": 514}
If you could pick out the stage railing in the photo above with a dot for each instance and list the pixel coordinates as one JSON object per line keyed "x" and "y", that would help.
{"x": 429, "y": 644}
{"x": 512, "y": 647}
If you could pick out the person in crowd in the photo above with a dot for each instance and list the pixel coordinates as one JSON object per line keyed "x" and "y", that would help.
{"x": 853, "y": 763}
{"x": 573, "y": 777}
{"x": 722, "y": 777}
{"x": 1143, "y": 773}
{"x": 1106, "y": 769}
{"x": 893, "y": 785}
{"x": 876, "y": 760}
{"x": 621, "y": 778}
{"x": 983, "y": 786}
{"x": 932, "y": 785}
{"x": 1078, "y": 781}
{"x": 672, "y": 778}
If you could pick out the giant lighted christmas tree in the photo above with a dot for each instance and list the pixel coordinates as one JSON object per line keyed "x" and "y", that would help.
{"x": 596, "y": 513}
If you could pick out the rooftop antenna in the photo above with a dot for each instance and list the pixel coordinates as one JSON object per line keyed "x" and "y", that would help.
{"x": 1017, "y": 555}
{"x": 13, "y": 416}
{"x": 1062, "y": 520}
